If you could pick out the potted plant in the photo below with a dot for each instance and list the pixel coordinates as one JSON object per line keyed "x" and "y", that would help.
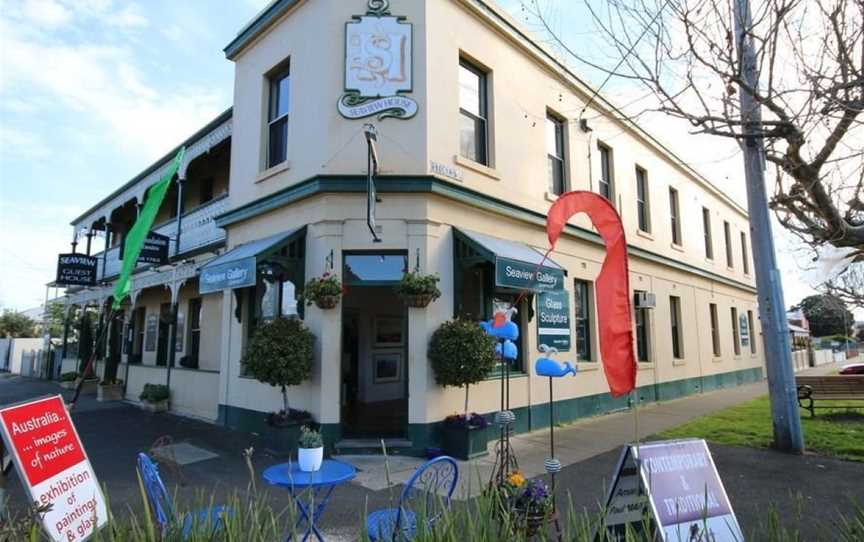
{"x": 109, "y": 390}
{"x": 310, "y": 451}
{"x": 461, "y": 354}
{"x": 155, "y": 397}
{"x": 530, "y": 502}
{"x": 418, "y": 290}
{"x": 67, "y": 380}
{"x": 280, "y": 354}
{"x": 323, "y": 291}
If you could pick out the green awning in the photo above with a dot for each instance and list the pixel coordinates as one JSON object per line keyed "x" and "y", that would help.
{"x": 237, "y": 268}
{"x": 516, "y": 264}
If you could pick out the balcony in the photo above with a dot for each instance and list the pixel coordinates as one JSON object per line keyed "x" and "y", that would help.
{"x": 197, "y": 230}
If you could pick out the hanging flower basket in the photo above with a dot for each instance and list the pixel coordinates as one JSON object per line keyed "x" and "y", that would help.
{"x": 418, "y": 290}
{"x": 324, "y": 291}
{"x": 327, "y": 301}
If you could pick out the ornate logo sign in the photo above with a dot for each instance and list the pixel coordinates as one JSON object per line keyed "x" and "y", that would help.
{"x": 378, "y": 65}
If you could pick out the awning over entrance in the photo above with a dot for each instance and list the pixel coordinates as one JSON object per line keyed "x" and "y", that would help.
{"x": 237, "y": 267}
{"x": 515, "y": 263}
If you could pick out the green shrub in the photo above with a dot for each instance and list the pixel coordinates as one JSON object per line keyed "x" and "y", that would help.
{"x": 415, "y": 283}
{"x": 310, "y": 438}
{"x": 461, "y": 354}
{"x": 280, "y": 354}
{"x": 69, "y": 376}
{"x": 154, "y": 393}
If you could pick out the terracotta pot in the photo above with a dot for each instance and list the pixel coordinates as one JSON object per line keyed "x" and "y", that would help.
{"x": 327, "y": 301}
{"x": 418, "y": 301}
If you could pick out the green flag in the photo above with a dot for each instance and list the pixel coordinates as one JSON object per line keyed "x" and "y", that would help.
{"x": 138, "y": 234}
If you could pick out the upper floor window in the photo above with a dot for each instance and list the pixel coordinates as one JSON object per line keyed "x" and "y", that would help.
{"x": 206, "y": 193}
{"x": 706, "y": 227}
{"x": 607, "y": 183}
{"x": 277, "y": 116}
{"x": 745, "y": 260}
{"x": 555, "y": 153}
{"x": 674, "y": 216}
{"x": 473, "y": 110}
{"x": 643, "y": 211}
{"x": 727, "y": 235}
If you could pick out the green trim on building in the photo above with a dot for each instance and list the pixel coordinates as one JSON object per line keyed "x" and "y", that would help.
{"x": 428, "y": 435}
{"x": 428, "y": 184}
{"x": 258, "y": 25}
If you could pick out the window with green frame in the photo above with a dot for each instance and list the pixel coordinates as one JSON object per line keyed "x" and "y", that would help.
{"x": 582, "y": 319}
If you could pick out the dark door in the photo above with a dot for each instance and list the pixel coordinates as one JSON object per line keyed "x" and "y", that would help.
{"x": 164, "y": 334}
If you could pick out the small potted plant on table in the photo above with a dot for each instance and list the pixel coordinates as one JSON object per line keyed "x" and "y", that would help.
{"x": 324, "y": 291}
{"x": 110, "y": 390}
{"x": 461, "y": 354}
{"x": 155, "y": 397}
{"x": 310, "y": 452}
{"x": 280, "y": 354}
{"x": 418, "y": 290}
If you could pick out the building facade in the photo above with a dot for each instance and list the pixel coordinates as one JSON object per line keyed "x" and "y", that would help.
{"x": 478, "y": 130}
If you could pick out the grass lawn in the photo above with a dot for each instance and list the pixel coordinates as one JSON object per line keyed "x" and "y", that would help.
{"x": 836, "y": 432}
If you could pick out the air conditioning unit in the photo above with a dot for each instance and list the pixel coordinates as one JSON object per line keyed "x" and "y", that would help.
{"x": 645, "y": 300}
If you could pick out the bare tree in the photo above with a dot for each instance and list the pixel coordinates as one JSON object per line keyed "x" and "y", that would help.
{"x": 811, "y": 90}
{"x": 849, "y": 287}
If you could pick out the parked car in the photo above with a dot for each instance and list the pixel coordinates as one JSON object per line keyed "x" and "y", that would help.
{"x": 852, "y": 369}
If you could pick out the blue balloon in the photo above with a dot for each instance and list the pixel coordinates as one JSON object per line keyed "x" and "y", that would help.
{"x": 509, "y": 350}
{"x": 550, "y": 367}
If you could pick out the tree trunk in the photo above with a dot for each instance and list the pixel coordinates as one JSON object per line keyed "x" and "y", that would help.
{"x": 466, "y": 400}
{"x": 285, "y": 401}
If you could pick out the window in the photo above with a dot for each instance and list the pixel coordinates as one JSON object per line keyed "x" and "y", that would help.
{"x": 206, "y": 191}
{"x": 607, "y": 183}
{"x": 706, "y": 226}
{"x": 643, "y": 211}
{"x": 138, "y": 342}
{"x": 745, "y": 259}
{"x": 473, "y": 108}
{"x": 555, "y": 153}
{"x": 751, "y": 332}
{"x": 582, "y": 318}
{"x": 675, "y": 316}
{"x": 736, "y": 336}
{"x": 674, "y": 216}
{"x": 193, "y": 342}
{"x": 277, "y": 116}
{"x": 642, "y": 332}
{"x": 727, "y": 234}
{"x": 715, "y": 330}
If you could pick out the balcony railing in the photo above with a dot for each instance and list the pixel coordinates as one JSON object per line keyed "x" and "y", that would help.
{"x": 197, "y": 230}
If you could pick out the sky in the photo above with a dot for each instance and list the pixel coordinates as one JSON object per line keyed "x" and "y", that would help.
{"x": 94, "y": 91}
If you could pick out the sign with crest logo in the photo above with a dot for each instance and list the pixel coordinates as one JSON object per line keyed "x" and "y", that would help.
{"x": 378, "y": 65}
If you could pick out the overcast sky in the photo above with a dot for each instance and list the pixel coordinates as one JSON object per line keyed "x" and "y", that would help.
{"x": 93, "y": 91}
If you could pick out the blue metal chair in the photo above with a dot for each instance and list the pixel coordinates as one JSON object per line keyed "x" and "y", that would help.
{"x": 163, "y": 507}
{"x": 426, "y": 497}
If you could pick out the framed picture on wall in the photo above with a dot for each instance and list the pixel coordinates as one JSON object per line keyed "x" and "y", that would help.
{"x": 387, "y": 366}
{"x": 388, "y": 331}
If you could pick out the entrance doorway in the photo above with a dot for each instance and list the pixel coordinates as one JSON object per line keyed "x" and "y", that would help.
{"x": 374, "y": 348}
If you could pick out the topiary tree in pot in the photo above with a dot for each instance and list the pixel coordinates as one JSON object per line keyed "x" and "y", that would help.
{"x": 461, "y": 354}
{"x": 280, "y": 354}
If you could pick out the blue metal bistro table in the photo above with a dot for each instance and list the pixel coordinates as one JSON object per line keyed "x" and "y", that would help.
{"x": 321, "y": 483}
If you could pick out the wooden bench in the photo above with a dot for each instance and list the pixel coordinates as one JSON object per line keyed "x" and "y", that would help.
{"x": 828, "y": 388}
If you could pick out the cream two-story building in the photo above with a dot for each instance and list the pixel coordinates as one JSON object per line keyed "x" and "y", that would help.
{"x": 479, "y": 129}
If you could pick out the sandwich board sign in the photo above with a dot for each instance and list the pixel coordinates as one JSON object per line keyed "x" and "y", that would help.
{"x": 54, "y": 468}
{"x": 672, "y": 488}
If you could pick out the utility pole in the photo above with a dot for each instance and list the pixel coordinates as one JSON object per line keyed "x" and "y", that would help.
{"x": 775, "y": 328}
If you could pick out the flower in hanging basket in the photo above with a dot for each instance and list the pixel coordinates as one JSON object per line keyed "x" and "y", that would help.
{"x": 418, "y": 290}
{"x": 324, "y": 291}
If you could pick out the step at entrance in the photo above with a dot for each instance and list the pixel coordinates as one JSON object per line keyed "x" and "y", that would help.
{"x": 372, "y": 446}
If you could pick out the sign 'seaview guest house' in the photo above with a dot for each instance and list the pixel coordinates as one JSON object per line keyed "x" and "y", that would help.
{"x": 477, "y": 133}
